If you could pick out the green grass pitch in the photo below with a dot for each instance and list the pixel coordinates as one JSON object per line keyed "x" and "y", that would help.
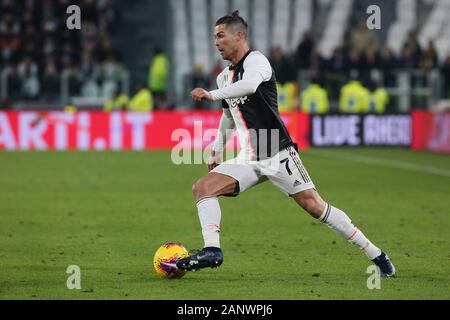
{"x": 109, "y": 212}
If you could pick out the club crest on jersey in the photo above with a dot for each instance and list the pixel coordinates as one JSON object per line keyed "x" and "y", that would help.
{"x": 236, "y": 101}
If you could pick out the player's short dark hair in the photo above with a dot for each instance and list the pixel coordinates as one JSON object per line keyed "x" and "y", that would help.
{"x": 234, "y": 20}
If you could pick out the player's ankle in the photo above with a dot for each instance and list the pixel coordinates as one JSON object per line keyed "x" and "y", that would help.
{"x": 212, "y": 248}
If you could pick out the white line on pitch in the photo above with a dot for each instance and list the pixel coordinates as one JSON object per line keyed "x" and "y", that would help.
{"x": 382, "y": 162}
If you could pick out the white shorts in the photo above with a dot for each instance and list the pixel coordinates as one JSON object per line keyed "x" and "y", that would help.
{"x": 285, "y": 170}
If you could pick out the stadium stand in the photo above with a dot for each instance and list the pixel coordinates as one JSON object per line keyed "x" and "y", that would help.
{"x": 437, "y": 28}
{"x": 43, "y": 63}
{"x": 406, "y": 19}
{"x": 39, "y": 55}
{"x": 337, "y": 21}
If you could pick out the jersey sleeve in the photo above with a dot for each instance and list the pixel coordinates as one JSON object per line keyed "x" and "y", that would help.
{"x": 257, "y": 69}
{"x": 257, "y": 66}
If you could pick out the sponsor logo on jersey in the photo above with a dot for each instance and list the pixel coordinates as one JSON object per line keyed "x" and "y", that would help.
{"x": 236, "y": 101}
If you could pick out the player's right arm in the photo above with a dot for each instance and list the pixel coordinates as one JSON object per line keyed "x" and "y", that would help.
{"x": 223, "y": 134}
{"x": 226, "y": 124}
{"x": 257, "y": 70}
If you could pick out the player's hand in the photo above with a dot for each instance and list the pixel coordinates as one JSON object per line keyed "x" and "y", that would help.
{"x": 199, "y": 94}
{"x": 213, "y": 161}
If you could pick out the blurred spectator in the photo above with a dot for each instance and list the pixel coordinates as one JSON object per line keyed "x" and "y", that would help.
{"x": 73, "y": 77}
{"x": 429, "y": 58}
{"x": 119, "y": 102}
{"x": 27, "y": 71}
{"x": 88, "y": 73}
{"x": 199, "y": 79}
{"x": 304, "y": 51}
{"x": 29, "y": 34}
{"x": 318, "y": 65}
{"x": 142, "y": 101}
{"x": 14, "y": 83}
{"x": 88, "y": 32}
{"x": 287, "y": 96}
{"x": 388, "y": 64}
{"x": 378, "y": 99}
{"x": 413, "y": 44}
{"x": 49, "y": 48}
{"x": 354, "y": 97}
{"x": 50, "y": 81}
{"x": 110, "y": 69}
{"x": 159, "y": 77}
{"x": 68, "y": 53}
{"x": 50, "y": 25}
{"x": 9, "y": 24}
{"x": 337, "y": 61}
{"x": 90, "y": 88}
{"x": 89, "y": 11}
{"x": 107, "y": 49}
{"x": 369, "y": 62}
{"x": 315, "y": 99}
{"x": 88, "y": 68}
{"x": 8, "y": 6}
{"x": 363, "y": 38}
{"x": 109, "y": 16}
{"x": 282, "y": 65}
{"x": 335, "y": 74}
{"x": 9, "y": 50}
{"x": 70, "y": 37}
{"x": 354, "y": 64}
{"x": 409, "y": 58}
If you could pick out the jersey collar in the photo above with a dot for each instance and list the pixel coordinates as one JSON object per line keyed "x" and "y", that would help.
{"x": 231, "y": 67}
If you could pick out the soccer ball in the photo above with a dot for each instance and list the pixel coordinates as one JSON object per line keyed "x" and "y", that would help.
{"x": 168, "y": 254}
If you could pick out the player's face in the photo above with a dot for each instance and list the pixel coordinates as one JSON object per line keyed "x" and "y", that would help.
{"x": 226, "y": 41}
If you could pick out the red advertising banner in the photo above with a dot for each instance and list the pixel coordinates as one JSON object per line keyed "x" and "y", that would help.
{"x": 97, "y": 130}
{"x": 431, "y": 131}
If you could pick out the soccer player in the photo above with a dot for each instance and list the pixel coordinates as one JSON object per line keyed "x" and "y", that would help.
{"x": 248, "y": 93}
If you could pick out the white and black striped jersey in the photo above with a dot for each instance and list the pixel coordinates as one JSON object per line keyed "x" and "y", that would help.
{"x": 261, "y": 131}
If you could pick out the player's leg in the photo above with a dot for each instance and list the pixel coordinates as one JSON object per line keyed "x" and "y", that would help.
{"x": 292, "y": 178}
{"x": 336, "y": 219}
{"x": 339, "y": 221}
{"x": 228, "y": 179}
{"x": 206, "y": 190}
{"x": 214, "y": 185}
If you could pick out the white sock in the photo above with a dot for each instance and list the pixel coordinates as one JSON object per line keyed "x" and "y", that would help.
{"x": 210, "y": 214}
{"x": 341, "y": 223}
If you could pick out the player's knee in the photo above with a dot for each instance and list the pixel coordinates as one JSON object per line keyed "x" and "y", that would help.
{"x": 200, "y": 189}
{"x": 196, "y": 188}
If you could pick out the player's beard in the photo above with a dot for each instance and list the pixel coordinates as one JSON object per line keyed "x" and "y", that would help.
{"x": 224, "y": 56}
{"x": 228, "y": 57}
